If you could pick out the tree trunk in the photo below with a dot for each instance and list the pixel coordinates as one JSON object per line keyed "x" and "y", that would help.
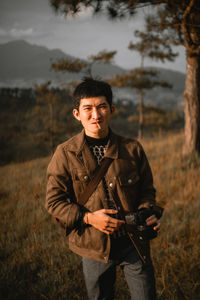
{"x": 192, "y": 106}
{"x": 141, "y": 116}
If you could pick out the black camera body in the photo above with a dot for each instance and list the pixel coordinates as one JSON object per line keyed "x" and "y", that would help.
{"x": 139, "y": 220}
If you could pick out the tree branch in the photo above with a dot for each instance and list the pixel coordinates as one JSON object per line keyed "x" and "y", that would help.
{"x": 185, "y": 28}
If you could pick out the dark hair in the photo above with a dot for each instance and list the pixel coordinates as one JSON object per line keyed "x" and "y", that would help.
{"x": 89, "y": 88}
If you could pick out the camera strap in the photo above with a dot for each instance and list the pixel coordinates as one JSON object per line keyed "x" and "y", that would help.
{"x": 99, "y": 173}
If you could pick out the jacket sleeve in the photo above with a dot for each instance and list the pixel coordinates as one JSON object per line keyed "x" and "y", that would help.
{"x": 60, "y": 198}
{"x": 146, "y": 188}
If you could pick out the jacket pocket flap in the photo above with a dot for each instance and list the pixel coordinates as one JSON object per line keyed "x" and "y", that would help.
{"x": 80, "y": 175}
{"x": 129, "y": 180}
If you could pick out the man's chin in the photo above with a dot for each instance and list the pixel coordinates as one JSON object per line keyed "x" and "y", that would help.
{"x": 97, "y": 127}
{"x": 95, "y": 131}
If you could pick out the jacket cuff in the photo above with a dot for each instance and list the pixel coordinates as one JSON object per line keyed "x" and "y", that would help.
{"x": 80, "y": 225}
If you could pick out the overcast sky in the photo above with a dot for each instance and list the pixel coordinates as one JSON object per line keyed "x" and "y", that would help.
{"x": 36, "y": 22}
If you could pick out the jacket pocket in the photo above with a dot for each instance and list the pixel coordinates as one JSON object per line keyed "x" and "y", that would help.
{"x": 129, "y": 190}
{"x": 80, "y": 180}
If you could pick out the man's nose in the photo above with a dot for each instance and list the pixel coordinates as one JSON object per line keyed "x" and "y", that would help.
{"x": 95, "y": 113}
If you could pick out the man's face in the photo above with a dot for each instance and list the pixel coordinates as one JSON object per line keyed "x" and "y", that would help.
{"x": 94, "y": 114}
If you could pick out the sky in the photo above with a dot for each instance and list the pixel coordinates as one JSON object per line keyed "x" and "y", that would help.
{"x": 36, "y": 22}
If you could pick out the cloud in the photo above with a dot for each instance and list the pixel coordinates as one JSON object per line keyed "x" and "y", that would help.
{"x": 17, "y": 32}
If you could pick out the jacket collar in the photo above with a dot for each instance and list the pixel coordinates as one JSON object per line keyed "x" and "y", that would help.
{"x": 113, "y": 146}
{"x": 78, "y": 144}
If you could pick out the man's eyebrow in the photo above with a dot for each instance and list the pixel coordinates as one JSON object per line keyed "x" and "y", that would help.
{"x": 103, "y": 103}
{"x": 84, "y": 105}
{"x": 90, "y": 105}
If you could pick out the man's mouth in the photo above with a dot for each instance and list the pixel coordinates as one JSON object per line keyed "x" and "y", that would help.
{"x": 97, "y": 123}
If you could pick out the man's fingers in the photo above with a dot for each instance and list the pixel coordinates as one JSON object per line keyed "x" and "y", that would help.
{"x": 109, "y": 230}
{"x": 115, "y": 221}
{"x": 109, "y": 211}
{"x": 115, "y": 224}
{"x": 152, "y": 217}
{"x": 151, "y": 220}
{"x": 157, "y": 227}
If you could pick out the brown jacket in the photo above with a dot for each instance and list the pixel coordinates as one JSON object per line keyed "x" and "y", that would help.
{"x": 129, "y": 179}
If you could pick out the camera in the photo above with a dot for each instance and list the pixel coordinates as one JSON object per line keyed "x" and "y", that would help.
{"x": 139, "y": 217}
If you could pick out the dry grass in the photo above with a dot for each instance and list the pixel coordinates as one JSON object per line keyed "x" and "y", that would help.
{"x": 36, "y": 263}
{"x": 176, "y": 252}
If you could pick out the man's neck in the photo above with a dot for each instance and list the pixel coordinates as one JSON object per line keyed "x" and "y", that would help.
{"x": 97, "y": 141}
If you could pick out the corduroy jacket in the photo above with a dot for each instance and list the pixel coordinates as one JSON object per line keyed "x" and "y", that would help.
{"x": 129, "y": 179}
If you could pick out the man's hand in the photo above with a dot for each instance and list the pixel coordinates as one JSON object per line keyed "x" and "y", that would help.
{"x": 102, "y": 221}
{"x": 153, "y": 220}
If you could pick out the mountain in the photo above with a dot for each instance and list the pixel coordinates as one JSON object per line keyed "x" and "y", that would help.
{"x": 25, "y": 64}
{"x": 19, "y": 59}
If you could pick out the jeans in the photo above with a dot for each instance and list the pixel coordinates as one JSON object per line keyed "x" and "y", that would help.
{"x": 100, "y": 277}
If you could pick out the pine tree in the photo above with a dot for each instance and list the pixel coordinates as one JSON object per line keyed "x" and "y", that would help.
{"x": 66, "y": 64}
{"x": 77, "y": 65}
{"x": 181, "y": 22}
{"x": 154, "y": 46}
{"x": 140, "y": 80}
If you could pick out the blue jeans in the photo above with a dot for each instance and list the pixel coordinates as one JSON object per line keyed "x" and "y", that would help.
{"x": 100, "y": 277}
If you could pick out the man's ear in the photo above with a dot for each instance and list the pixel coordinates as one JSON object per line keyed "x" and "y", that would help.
{"x": 112, "y": 109}
{"x": 76, "y": 114}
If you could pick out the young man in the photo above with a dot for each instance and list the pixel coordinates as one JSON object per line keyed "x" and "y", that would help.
{"x": 97, "y": 230}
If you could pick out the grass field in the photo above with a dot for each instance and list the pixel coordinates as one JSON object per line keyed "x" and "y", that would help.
{"x": 36, "y": 262}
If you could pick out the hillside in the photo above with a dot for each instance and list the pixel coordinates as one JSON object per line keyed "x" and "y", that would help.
{"x": 23, "y": 64}
{"x": 19, "y": 59}
{"x": 35, "y": 259}
{"x": 26, "y": 133}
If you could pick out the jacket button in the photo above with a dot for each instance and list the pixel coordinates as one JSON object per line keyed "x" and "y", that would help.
{"x": 111, "y": 184}
{"x": 130, "y": 181}
{"x": 140, "y": 238}
{"x": 85, "y": 177}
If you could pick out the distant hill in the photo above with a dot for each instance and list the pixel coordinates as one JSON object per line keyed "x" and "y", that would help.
{"x": 23, "y": 64}
{"x": 20, "y": 59}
